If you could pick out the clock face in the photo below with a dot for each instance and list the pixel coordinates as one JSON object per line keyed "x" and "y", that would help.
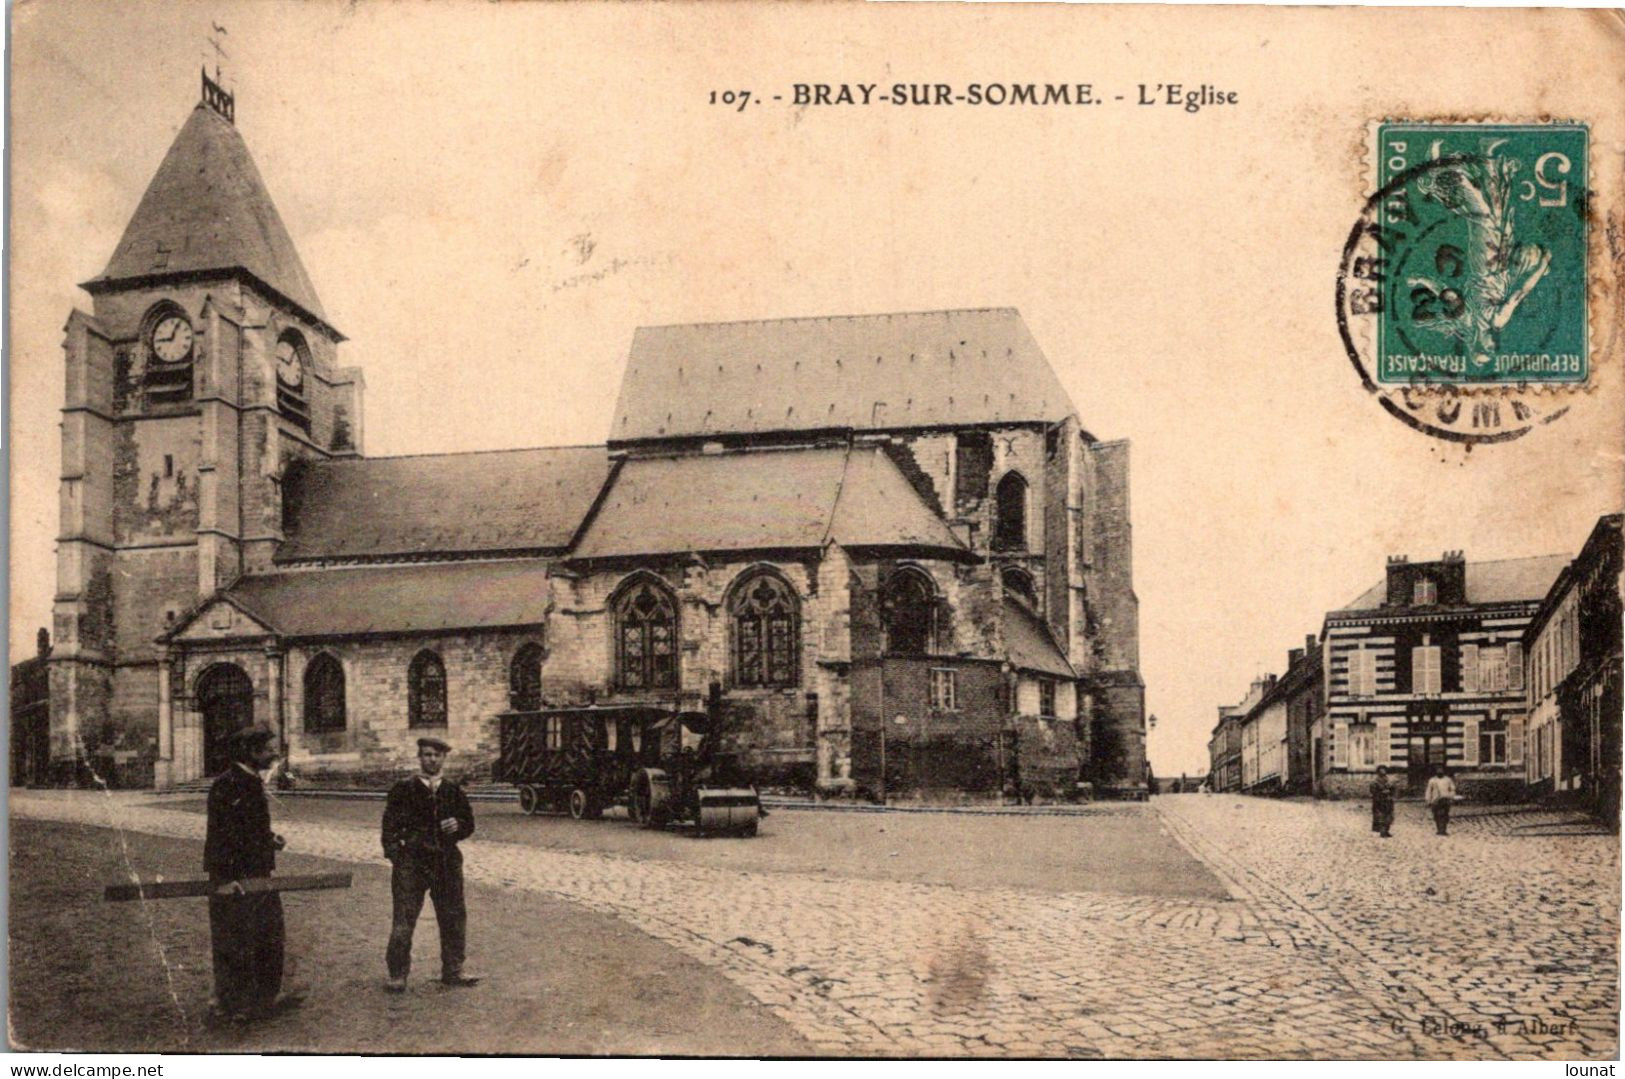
{"x": 172, "y": 339}
{"x": 290, "y": 367}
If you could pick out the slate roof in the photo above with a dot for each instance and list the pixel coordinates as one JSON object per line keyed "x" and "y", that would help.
{"x": 857, "y": 372}
{"x": 766, "y": 499}
{"x": 1508, "y": 580}
{"x": 1028, "y": 643}
{"x": 395, "y": 599}
{"x": 452, "y": 503}
{"x": 207, "y": 209}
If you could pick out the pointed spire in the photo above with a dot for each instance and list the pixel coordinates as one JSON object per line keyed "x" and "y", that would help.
{"x": 207, "y": 211}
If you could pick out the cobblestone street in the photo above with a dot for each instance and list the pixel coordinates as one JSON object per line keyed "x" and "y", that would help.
{"x": 1335, "y": 943}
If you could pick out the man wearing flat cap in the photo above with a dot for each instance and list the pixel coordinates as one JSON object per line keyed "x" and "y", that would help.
{"x": 245, "y": 930}
{"x": 424, "y": 820}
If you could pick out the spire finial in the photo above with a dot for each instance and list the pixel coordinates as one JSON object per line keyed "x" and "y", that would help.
{"x": 214, "y": 90}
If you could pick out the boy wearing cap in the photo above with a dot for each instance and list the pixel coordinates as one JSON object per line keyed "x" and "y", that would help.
{"x": 424, "y": 820}
{"x": 245, "y": 931}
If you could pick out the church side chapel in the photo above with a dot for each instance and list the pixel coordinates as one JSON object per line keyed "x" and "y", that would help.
{"x": 883, "y": 547}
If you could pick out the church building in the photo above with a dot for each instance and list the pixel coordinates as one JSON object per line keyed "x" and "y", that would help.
{"x": 883, "y": 546}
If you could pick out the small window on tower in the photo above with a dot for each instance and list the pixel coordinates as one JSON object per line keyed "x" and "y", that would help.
{"x": 292, "y": 361}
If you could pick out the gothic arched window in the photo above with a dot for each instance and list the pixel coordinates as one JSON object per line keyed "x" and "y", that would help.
{"x": 766, "y": 623}
{"x": 645, "y": 637}
{"x": 426, "y": 691}
{"x": 1010, "y": 524}
{"x": 908, "y": 605}
{"x": 324, "y": 695}
{"x": 1019, "y": 583}
{"x": 525, "y": 679}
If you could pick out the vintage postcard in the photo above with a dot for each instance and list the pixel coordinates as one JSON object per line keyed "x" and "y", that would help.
{"x": 816, "y": 530}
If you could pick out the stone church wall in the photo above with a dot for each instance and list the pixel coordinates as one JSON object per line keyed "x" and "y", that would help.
{"x": 378, "y": 744}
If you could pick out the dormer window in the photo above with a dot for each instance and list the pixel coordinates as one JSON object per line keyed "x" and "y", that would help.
{"x": 170, "y": 343}
{"x": 1424, "y": 593}
{"x": 292, "y": 361}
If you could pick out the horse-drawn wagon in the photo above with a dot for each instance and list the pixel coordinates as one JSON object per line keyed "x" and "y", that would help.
{"x": 667, "y": 767}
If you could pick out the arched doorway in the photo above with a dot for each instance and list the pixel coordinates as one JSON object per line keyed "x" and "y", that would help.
{"x": 225, "y": 698}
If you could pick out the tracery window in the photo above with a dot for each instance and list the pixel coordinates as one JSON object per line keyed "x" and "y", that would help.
{"x": 646, "y": 637}
{"x": 1010, "y": 523}
{"x": 525, "y": 679}
{"x": 766, "y": 623}
{"x": 324, "y": 694}
{"x": 909, "y": 608}
{"x": 426, "y": 691}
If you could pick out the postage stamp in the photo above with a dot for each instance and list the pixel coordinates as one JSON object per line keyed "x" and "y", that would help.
{"x": 1462, "y": 293}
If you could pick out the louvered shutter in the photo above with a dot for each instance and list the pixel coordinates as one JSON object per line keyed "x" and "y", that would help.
{"x": 1469, "y": 668}
{"x": 1514, "y": 739}
{"x": 1339, "y": 734}
{"x": 1380, "y": 750}
{"x": 1515, "y": 665}
{"x": 1469, "y": 743}
{"x": 1419, "y": 674}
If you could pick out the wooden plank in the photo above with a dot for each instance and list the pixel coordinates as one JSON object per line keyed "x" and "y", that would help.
{"x": 178, "y": 889}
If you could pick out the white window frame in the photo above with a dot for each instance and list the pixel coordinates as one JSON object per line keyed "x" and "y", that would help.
{"x": 1492, "y": 669}
{"x": 1425, "y": 669}
{"x": 1362, "y": 667}
{"x": 944, "y": 689}
{"x": 1362, "y": 748}
{"x": 1047, "y": 687}
{"x": 1496, "y": 743}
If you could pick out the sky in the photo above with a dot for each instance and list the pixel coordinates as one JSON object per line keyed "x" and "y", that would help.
{"x": 491, "y": 198}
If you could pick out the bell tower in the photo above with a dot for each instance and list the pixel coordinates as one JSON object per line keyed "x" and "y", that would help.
{"x": 205, "y": 366}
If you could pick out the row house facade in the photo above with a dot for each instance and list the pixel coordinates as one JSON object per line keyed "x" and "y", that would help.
{"x": 1427, "y": 669}
{"x": 1573, "y": 651}
{"x": 1224, "y": 751}
{"x": 884, "y": 545}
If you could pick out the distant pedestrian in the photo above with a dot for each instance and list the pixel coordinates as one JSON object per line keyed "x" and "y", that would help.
{"x": 424, "y": 820}
{"x": 245, "y": 929}
{"x": 1440, "y": 793}
{"x": 1382, "y": 803}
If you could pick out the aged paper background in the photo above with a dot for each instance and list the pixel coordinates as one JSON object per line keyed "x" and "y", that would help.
{"x": 490, "y": 198}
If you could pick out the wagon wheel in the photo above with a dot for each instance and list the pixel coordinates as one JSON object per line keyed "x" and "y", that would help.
{"x": 529, "y": 800}
{"x": 647, "y": 804}
{"x": 583, "y": 806}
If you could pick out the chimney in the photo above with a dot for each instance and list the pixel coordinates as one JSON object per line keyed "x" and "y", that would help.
{"x": 1399, "y": 581}
{"x": 1311, "y": 644}
{"x": 1293, "y": 658}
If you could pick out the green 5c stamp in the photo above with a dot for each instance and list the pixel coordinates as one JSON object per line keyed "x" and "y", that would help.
{"x": 1462, "y": 293}
{"x": 1490, "y": 286}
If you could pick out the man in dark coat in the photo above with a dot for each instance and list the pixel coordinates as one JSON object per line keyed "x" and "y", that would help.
{"x": 245, "y": 930}
{"x": 424, "y": 820}
{"x": 1382, "y": 804}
